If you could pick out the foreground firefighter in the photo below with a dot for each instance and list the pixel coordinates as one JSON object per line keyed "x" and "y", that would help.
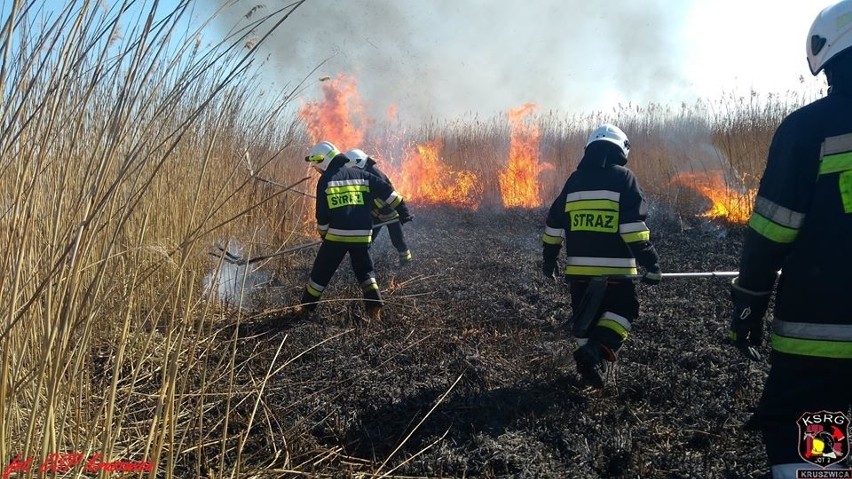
{"x": 601, "y": 213}
{"x": 344, "y": 200}
{"x": 382, "y": 213}
{"x": 802, "y": 221}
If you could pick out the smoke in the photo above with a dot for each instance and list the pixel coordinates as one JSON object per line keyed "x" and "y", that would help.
{"x": 449, "y": 58}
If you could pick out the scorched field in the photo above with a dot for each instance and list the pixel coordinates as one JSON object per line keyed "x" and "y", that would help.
{"x": 470, "y": 372}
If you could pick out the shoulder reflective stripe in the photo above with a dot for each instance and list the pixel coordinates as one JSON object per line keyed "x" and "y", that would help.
{"x": 593, "y": 195}
{"x": 591, "y": 205}
{"x": 597, "y": 271}
{"x": 837, "y": 144}
{"x": 772, "y": 231}
{"x": 355, "y": 181}
{"x": 831, "y": 332}
{"x": 596, "y": 261}
{"x": 632, "y": 227}
{"x": 836, "y": 154}
{"x": 835, "y": 163}
{"x": 812, "y": 347}
{"x": 778, "y": 214}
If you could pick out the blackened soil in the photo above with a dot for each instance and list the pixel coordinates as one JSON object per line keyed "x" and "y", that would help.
{"x": 470, "y": 373}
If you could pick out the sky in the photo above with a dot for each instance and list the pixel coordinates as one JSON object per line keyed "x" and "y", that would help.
{"x": 444, "y": 59}
{"x": 448, "y": 58}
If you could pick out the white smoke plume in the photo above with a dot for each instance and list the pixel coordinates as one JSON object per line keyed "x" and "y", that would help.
{"x": 448, "y": 58}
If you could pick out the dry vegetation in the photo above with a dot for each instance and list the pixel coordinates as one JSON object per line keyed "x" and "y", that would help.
{"x": 123, "y": 161}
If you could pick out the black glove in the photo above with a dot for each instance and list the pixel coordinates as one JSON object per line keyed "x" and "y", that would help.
{"x": 746, "y": 330}
{"x": 405, "y": 218}
{"x": 549, "y": 269}
{"x": 652, "y": 275}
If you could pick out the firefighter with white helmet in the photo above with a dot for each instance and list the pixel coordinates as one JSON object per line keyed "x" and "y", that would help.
{"x": 383, "y": 213}
{"x": 345, "y": 197}
{"x": 600, "y": 217}
{"x": 802, "y": 224}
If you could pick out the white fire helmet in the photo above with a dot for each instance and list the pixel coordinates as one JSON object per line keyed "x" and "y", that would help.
{"x": 612, "y": 134}
{"x": 321, "y": 155}
{"x": 830, "y": 34}
{"x": 357, "y": 158}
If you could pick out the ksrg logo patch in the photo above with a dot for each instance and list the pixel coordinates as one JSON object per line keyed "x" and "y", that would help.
{"x": 823, "y": 437}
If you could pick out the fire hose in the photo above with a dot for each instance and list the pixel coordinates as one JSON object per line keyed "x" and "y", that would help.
{"x": 231, "y": 258}
{"x": 591, "y": 301}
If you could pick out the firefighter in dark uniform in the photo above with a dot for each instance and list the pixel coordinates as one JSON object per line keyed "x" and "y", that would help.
{"x": 802, "y": 225}
{"x": 383, "y": 213}
{"x": 600, "y": 214}
{"x": 344, "y": 199}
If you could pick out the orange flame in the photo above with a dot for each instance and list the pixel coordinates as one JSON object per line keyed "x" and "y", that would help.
{"x": 339, "y": 117}
{"x": 426, "y": 178}
{"x": 519, "y": 184}
{"x": 726, "y": 203}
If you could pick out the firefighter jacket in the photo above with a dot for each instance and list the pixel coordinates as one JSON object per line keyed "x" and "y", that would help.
{"x": 381, "y": 211}
{"x": 802, "y": 225}
{"x": 345, "y": 197}
{"x": 600, "y": 215}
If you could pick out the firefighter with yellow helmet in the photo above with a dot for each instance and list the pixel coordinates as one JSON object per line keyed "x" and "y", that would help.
{"x": 345, "y": 198}
{"x": 802, "y": 225}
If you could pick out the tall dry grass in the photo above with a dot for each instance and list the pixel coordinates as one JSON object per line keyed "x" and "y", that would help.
{"x": 123, "y": 149}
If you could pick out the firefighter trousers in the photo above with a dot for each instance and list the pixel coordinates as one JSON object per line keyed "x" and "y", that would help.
{"x": 797, "y": 399}
{"x": 329, "y": 257}
{"x": 617, "y": 311}
{"x": 397, "y": 239}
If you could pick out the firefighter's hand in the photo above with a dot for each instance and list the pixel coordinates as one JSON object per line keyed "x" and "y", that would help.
{"x": 746, "y": 330}
{"x": 652, "y": 276}
{"x": 405, "y": 219}
{"x": 549, "y": 269}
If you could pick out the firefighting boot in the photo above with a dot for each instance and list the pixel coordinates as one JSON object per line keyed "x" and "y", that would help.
{"x": 404, "y": 257}
{"x": 591, "y": 364}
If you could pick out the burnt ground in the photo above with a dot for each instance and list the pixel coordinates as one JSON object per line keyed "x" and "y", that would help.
{"x": 471, "y": 375}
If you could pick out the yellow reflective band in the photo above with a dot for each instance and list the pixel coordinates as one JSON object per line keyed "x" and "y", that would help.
{"x": 347, "y": 239}
{"x": 812, "y": 347}
{"x": 846, "y": 190}
{"x": 598, "y": 271}
{"x": 551, "y": 239}
{"x": 594, "y": 220}
{"x": 395, "y": 202}
{"x": 636, "y": 237}
{"x": 836, "y": 163}
{"x": 608, "y": 205}
{"x": 313, "y": 292}
{"x": 772, "y": 231}
{"x": 614, "y": 326}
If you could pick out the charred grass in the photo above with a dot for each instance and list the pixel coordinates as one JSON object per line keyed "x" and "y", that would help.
{"x": 470, "y": 372}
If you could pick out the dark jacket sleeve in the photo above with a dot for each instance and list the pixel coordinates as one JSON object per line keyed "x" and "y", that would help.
{"x": 323, "y": 215}
{"x": 783, "y": 197}
{"x": 632, "y": 227}
{"x": 384, "y": 192}
{"x": 555, "y": 228}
